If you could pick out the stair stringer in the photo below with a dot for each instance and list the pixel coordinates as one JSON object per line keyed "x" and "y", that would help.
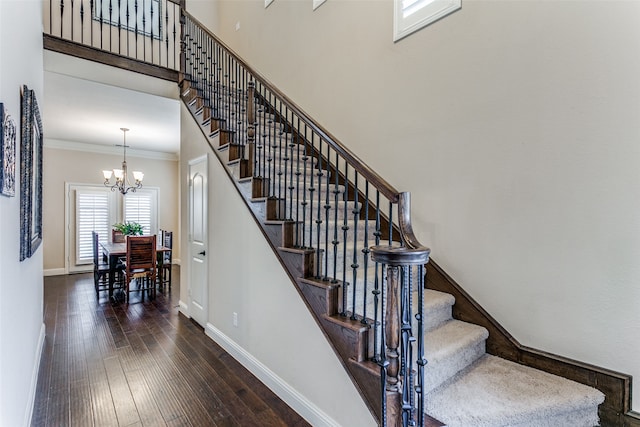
{"x": 349, "y": 339}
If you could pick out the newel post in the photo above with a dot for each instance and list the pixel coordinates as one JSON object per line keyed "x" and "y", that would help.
{"x": 402, "y": 376}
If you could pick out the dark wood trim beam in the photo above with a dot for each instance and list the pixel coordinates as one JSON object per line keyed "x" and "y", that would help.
{"x": 57, "y": 44}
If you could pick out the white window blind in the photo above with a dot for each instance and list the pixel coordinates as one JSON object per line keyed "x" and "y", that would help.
{"x": 411, "y": 15}
{"x": 141, "y": 207}
{"x": 92, "y": 214}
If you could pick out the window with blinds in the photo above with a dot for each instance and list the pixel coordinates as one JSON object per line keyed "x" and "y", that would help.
{"x": 411, "y": 15}
{"x": 141, "y": 207}
{"x": 92, "y": 214}
{"x": 96, "y": 208}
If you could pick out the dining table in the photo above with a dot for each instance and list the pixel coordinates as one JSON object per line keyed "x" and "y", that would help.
{"x": 114, "y": 251}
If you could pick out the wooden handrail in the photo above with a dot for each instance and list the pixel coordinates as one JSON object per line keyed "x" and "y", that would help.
{"x": 376, "y": 180}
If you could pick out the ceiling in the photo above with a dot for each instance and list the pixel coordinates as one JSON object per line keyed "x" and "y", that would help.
{"x": 85, "y": 104}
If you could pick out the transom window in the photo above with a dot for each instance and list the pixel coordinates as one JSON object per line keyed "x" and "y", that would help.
{"x": 412, "y": 15}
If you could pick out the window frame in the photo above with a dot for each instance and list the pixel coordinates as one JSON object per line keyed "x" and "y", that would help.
{"x": 76, "y": 263}
{"x": 154, "y": 193}
{"x": 429, "y": 13}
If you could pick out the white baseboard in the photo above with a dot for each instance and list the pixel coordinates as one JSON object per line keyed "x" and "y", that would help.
{"x": 184, "y": 309}
{"x": 307, "y": 409}
{"x": 34, "y": 377}
{"x": 54, "y": 272}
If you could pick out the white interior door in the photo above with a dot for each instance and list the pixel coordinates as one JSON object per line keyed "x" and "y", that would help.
{"x": 198, "y": 284}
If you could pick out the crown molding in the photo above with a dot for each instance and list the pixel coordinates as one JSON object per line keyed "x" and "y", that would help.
{"x": 107, "y": 149}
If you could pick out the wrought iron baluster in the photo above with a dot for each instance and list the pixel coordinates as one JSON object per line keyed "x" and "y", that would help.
{"x": 298, "y": 173}
{"x": 284, "y": 136}
{"x": 135, "y": 15}
{"x": 327, "y": 207}
{"x": 174, "y": 34}
{"x": 166, "y": 32}
{"x": 82, "y": 22}
{"x": 110, "y": 23}
{"x": 319, "y": 216}
{"x": 144, "y": 30}
{"x": 406, "y": 341}
{"x": 119, "y": 27}
{"x": 269, "y": 147}
{"x": 383, "y": 362}
{"x": 151, "y": 32}
{"x": 335, "y": 242}
{"x": 128, "y": 27}
{"x": 365, "y": 252}
{"x": 291, "y": 187}
{"x": 263, "y": 134}
{"x": 390, "y": 223}
{"x": 73, "y": 11}
{"x": 305, "y": 159}
{"x": 354, "y": 264}
{"x": 61, "y": 18}
{"x": 244, "y": 104}
{"x": 278, "y": 141}
{"x": 345, "y": 230}
{"x": 312, "y": 193}
{"x": 420, "y": 360}
{"x": 377, "y": 288}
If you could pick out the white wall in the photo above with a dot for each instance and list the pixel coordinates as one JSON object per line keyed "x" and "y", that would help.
{"x": 515, "y": 126}
{"x": 21, "y": 297}
{"x": 276, "y": 338}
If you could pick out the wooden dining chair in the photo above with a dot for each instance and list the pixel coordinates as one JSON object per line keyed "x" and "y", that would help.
{"x": 141, "y": 264}
{"x": 100, "y": 268}
{"x": 167, "y": 258}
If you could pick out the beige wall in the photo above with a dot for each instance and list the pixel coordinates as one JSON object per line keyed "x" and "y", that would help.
{"x": 69, "y": 166}
{"x": 515, "y": 126}
{"x": 276, "y": 338}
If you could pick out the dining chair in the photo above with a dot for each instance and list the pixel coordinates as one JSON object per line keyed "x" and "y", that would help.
{"x": 167, "y": 258}
{"x": 100, "y": 268}
{"x": 141, "y": 264}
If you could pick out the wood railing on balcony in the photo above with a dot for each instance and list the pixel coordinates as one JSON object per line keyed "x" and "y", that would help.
{"x": 335, "y": 208}
{"x": 139, "y": 35}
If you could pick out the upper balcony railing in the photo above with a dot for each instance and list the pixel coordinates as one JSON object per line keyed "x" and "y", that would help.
{"x": 140, "y": 35}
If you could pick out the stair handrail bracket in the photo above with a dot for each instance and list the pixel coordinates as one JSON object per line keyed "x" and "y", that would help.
{"x": 402, "y": 379}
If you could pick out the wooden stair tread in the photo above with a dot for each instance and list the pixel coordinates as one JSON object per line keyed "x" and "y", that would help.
{"x": 347, "y": 322}
{"x": 319, "y": 283}
{"x": 296, "y": 250}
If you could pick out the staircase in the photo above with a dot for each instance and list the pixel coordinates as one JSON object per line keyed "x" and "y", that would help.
{"x": 330, "y": 219}
{"x": 323, "y": 212}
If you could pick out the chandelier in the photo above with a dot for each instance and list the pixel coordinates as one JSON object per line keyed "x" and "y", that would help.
{"x": 122, "y": 183}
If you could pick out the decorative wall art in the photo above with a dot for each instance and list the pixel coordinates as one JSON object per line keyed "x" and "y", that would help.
{"x": 30, "y": 175}
{"x": 7, "y": 154}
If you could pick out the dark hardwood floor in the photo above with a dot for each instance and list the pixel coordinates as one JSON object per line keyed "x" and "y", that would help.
{"x": 140, "y": 364}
